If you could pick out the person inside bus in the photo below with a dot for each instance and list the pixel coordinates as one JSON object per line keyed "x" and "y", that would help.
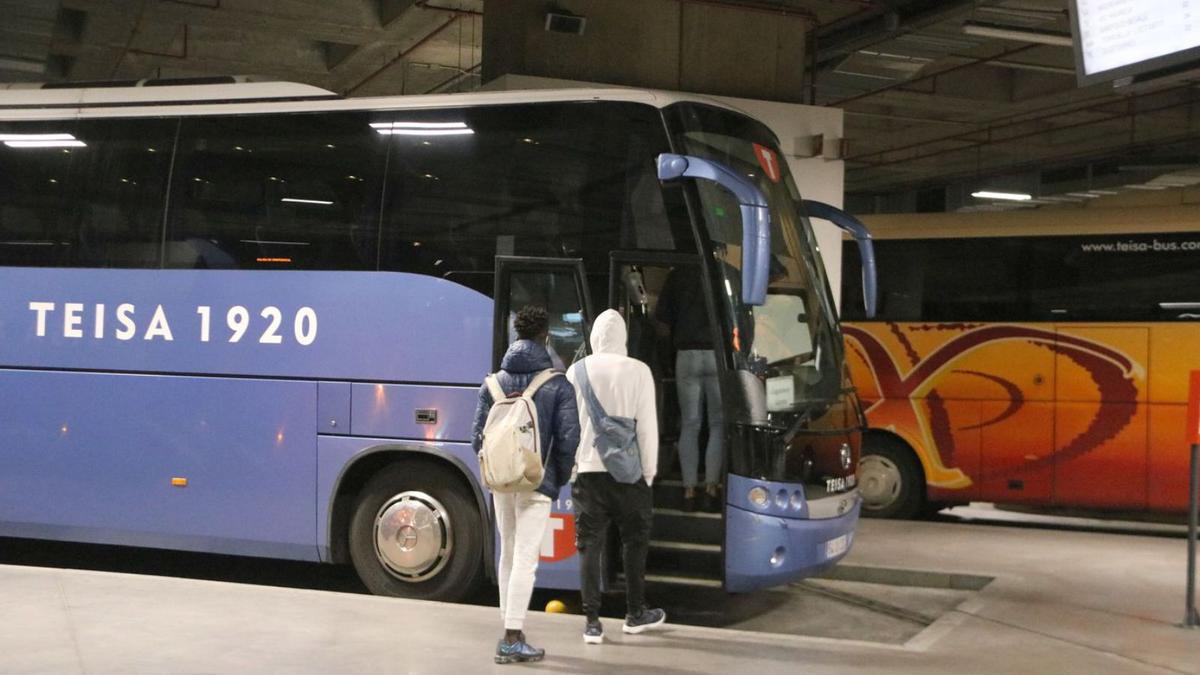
{"x": 683, "y": 311}
{"x": 522, "y": 517}
{"x": 612, "y": 484}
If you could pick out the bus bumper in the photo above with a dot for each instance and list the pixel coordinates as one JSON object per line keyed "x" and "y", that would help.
{"x": 763, "y": 550}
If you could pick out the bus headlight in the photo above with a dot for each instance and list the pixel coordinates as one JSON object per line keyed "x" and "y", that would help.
{"x": 759, "y": 497}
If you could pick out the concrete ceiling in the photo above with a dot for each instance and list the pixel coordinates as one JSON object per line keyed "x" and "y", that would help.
{"x": 353, "y": 47}
{"x": 929, "y": 108}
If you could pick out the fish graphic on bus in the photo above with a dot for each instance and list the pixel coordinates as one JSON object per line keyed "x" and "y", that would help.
{"x": 1036, "y": 414}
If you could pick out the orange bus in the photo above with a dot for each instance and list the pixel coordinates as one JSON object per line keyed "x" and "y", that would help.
{"x": 1046, "y": 370}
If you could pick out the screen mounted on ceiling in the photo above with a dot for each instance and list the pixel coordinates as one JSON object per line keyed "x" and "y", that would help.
{"x": 1115, "y": 39}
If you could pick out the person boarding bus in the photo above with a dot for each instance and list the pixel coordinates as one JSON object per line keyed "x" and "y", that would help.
{"x": 615, "y": 468}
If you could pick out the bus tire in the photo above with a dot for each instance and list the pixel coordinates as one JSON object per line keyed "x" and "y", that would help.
{"x": 416, "y": 533}
{"x": 891, "y": 480}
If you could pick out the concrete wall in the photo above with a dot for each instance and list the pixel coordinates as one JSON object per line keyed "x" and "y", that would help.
{"x": 659, "y": 44}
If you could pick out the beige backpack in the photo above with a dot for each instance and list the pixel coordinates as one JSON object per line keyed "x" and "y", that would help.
{"x": 510, "y": 457}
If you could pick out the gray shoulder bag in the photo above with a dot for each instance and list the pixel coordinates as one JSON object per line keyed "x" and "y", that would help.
{"x": 616, "y": 437}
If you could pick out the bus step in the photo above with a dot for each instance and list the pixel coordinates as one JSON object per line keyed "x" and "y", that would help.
{"x": 679, "y": 558}
{"x": 677, "y": 580}
{"x": 702, "y": 528}
{"x": 687, "y": 546}
{"x": 668, "y": 494}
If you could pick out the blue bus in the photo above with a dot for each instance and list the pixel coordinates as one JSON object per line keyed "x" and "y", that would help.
{"x": 249, "y": 319}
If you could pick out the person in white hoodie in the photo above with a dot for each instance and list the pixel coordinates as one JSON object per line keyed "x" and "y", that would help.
{"x": 617, "y": 392}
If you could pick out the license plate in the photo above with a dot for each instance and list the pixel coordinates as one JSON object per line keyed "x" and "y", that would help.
{"x": 838, "y": 546}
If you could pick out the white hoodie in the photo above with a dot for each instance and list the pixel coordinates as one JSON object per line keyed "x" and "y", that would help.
{"x": 624, "y": 387}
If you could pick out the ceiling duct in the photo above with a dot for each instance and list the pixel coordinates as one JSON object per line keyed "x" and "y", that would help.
{"x": 25, "y": 36}
{"x": 882, "y": 65}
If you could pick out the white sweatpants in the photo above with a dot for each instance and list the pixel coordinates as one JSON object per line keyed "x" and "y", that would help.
{"x": 522, "y": 519}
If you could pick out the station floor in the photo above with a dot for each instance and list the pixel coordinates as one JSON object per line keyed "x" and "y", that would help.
{"x": 1059, "y": 602}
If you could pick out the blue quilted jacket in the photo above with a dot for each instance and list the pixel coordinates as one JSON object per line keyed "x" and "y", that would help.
{"x": 556, "y": 408}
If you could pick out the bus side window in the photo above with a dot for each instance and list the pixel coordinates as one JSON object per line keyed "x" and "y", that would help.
{"x": 95, "y": 200}
{"x": 292, "y": 191}
{"x": 123, "y": 188}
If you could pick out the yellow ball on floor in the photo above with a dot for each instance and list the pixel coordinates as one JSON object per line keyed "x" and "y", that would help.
{"x": 555, "y": 607}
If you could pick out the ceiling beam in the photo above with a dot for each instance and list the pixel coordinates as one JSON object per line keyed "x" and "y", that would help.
{"x": 886, "y": 22}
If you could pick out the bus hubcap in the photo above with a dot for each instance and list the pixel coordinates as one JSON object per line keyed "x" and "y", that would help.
{"x": 412, "y": 536}
{"x": 879, "y": 482}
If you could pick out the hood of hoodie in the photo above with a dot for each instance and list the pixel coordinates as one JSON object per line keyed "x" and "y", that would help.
{"x": 608, "y": 334}
{"x": 526, "y": 356}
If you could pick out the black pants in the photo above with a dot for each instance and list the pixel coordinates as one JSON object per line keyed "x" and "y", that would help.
{"x": 599, "y": 500}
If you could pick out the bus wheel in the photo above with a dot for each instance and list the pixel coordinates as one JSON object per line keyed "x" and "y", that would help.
{"x": 416, "y": 533}
{"x": 890, "y": 479}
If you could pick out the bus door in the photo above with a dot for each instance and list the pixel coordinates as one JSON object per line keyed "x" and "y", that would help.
{"x": 1101, "y": 416}
{"x": 686, "y": 547}
{"x": 560, "y": 286}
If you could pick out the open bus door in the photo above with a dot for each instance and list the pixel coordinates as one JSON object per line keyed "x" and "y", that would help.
{"x": 686, "y": 546}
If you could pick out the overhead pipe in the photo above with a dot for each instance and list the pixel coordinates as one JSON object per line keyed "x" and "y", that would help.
{"x": 930, "y": 76}
{"x": 424, "y": 4}
{"x": 763, "y": 8}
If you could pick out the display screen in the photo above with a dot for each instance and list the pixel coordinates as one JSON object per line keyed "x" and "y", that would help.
{"x": 1123, "y": 38}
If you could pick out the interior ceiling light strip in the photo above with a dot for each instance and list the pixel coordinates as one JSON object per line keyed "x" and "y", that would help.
{"x": 1009, "y": 196}
{"x": 297, "y": 200}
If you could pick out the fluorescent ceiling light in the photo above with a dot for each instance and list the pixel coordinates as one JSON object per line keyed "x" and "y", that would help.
{"x": 41, "y": 141}
{"x": 36, "y": 137}
{"x": 1002, "y": 32}
{"x": 295, "y": 200}
{"x": 422, "y": 128}
{"x": 45, "y": 144}
{"x": 1010, "y": 196}
{"x": 426, "y": 132}
{"x": 1179, "y": 305}
{"x": 418, "y": 125}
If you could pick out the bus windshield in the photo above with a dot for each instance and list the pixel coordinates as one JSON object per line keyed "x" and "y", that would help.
{"x": 791, "y": 340}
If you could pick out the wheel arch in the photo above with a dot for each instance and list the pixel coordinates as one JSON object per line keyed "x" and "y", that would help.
{"x": 355, "y": 474}
{"x": 897, "y": 440}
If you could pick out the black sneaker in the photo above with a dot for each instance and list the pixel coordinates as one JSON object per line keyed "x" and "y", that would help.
{"x": 518, "y": 652}
{"x": 593, "y": 632}
{"x": 648, "y": 619}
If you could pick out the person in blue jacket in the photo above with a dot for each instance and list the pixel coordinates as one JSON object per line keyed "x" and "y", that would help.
{"x": 522, "y": 517}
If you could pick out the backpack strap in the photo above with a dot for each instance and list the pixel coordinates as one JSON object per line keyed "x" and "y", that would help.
{"x": 595, "y": 410}
{"x": 494, "y": 388}
{"x": 538, "y": 380}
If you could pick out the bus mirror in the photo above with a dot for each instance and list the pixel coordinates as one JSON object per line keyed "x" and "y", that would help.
{"x": 866, "y": 248}
{"x": 756, "y": 216}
